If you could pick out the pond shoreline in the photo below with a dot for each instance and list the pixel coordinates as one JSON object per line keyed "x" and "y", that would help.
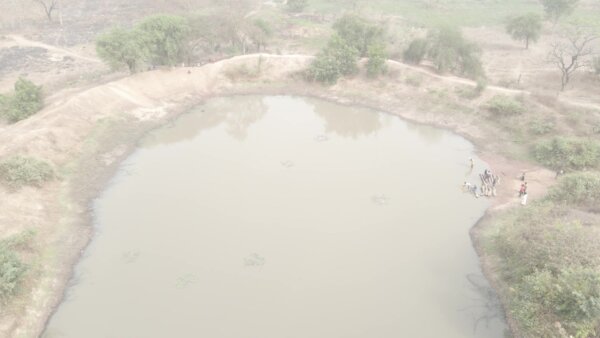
{"x": 133, "y": 112}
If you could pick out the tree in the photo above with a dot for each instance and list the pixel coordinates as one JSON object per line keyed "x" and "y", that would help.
{"x": 526, "y": 28}
{"x": 555, "y": 9}
{"x": 377, "y": 58}
{"x": 49, "y": 6}
{"x": 258, "y": 32}
{"x": 416, "y": 51}
{"x": 338, "y": 59}
{"x": 296, "y": 6}
{"x": 449, "y": 51}
{"x": 165, "y": 36}
{"x": 359, "y": 33}
{"x": 570, "y": 53}
{"x": 121, "y": 47}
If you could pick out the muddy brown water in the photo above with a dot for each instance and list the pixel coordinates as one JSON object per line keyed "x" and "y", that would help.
{"x": 272, "y": 217}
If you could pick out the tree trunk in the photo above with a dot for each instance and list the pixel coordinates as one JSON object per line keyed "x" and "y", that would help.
{"x": 527, "y": 43}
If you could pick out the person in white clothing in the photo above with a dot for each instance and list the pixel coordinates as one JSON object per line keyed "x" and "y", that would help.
{"x": 524, "y": 199}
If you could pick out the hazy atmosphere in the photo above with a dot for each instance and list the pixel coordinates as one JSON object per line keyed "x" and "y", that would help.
{"x": 300, "y": 168}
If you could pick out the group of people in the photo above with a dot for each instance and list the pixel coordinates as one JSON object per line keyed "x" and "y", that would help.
{"x": 489, "y": 181}
{"x": 488, "y": 184}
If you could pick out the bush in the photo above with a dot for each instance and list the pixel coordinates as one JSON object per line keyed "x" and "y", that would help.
{"x": 568, "y": 153}
{"x": 121, "y": 47}
{"x": 416, "y": 51}
{"x": 11, "y": 272}
{"x": 504, "y": 105}
{"x": 551, "y": 266}
{"x": 165, "y": 37}
{"x": 449, "y": 51}
{"x": 359, "y": 33}
{"x": 18, "y": 171}
{"x": 541, "y": 127}
{"x": 582, "y": 188}
{"x": 336, "y": 60}
{"x": 377, "y": 58}
{"x": 296, "y": 5}
{"x": 26, "y": 101}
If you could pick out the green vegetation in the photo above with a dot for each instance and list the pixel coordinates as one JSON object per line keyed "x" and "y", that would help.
{"x": 159, "y": 39}
{"x": 165, "y": 37}
{"x": 354, "y": 37}
{"x": 578, "y": 189}
{"x": 449, "y": 52}
{"x": 503, "y": 105}
{"x": 26, "y": 101}
{"x": 296, "y": 6}
{"x": 377, "y": 58}
{"x": 526, "y": 28}
{"x": 12, "y": 268}
{"x": 18, "y": 171}
{"x": 556, "y": 9}
{"x": 568, "y": 153}
{"x": 416, "y": 51}
{"x": 121, "y": 47}
{"x": 336, "y": 60}
{"x": 551, "y": 266}
{"x": 359, "y": 33}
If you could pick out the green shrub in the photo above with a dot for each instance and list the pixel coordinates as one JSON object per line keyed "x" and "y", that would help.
{"x": 552, "y": 268}
{"x": 449, "y": 51}
{"x": 535, "y": 239}
{"x": 505, "y": 105}
{"x": 377, "y": 58}
{"x": 581, "y": 188}
{"x": 570, "y": 298}
{"x": 18, "y": 171}
{"x": 11, "y": 272}
{"x": 297, "y": 6}
{"x": 336, "y": 60}
{"x": 359, "y": 33}
{"x": 416, "y": 51}
{"x": 541, "y": 127}
{"x": 26, "y": 101}
{"x": 568, "y": 153}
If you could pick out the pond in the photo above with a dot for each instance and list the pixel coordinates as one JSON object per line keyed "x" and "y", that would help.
{"x": 279, "y": 216}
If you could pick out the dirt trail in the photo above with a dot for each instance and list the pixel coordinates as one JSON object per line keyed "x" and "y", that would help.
{"x": 22, "y": 41}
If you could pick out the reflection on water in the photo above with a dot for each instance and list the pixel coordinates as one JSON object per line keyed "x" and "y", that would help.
{"x": 216, "y": 112}
{"x": 278, "y": 217}
{"x": 352, "y": 122}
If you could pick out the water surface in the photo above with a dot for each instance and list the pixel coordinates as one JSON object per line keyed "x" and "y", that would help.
{"x": 272, "y": 217}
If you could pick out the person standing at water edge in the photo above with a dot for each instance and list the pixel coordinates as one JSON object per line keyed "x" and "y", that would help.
{"x": 524, "y": 199}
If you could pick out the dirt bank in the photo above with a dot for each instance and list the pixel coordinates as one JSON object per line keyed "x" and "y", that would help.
{"x": 86, "y": 134}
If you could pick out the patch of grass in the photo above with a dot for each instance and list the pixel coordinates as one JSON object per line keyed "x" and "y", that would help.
{"x": 18, "y": 171}
{"x": 579, "y": 189}
{"x": 542, "y": 127}
{"x": 12, "y": 268}
{"x": 568, "y": 153}
{"x": 502, "y": 105}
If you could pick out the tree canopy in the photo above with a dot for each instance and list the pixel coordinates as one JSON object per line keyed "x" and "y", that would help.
{"x": 556, "y": 9}
{"x": 449, "y": 51}
{"x": 165, "y": 37}
{"x": 359, "y": 33}
{"x": 121, "y": 47}
{"x": 525, "y": 27}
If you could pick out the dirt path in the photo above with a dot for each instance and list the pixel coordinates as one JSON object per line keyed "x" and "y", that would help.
{"x": 24, "y": 42}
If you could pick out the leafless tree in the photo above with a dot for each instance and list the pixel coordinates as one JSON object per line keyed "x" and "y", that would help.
{"x": 49, "y": 6}
{"x": 571, "y": 52}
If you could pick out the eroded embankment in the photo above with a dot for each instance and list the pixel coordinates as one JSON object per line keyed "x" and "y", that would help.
{"x": 86, "y": 135}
